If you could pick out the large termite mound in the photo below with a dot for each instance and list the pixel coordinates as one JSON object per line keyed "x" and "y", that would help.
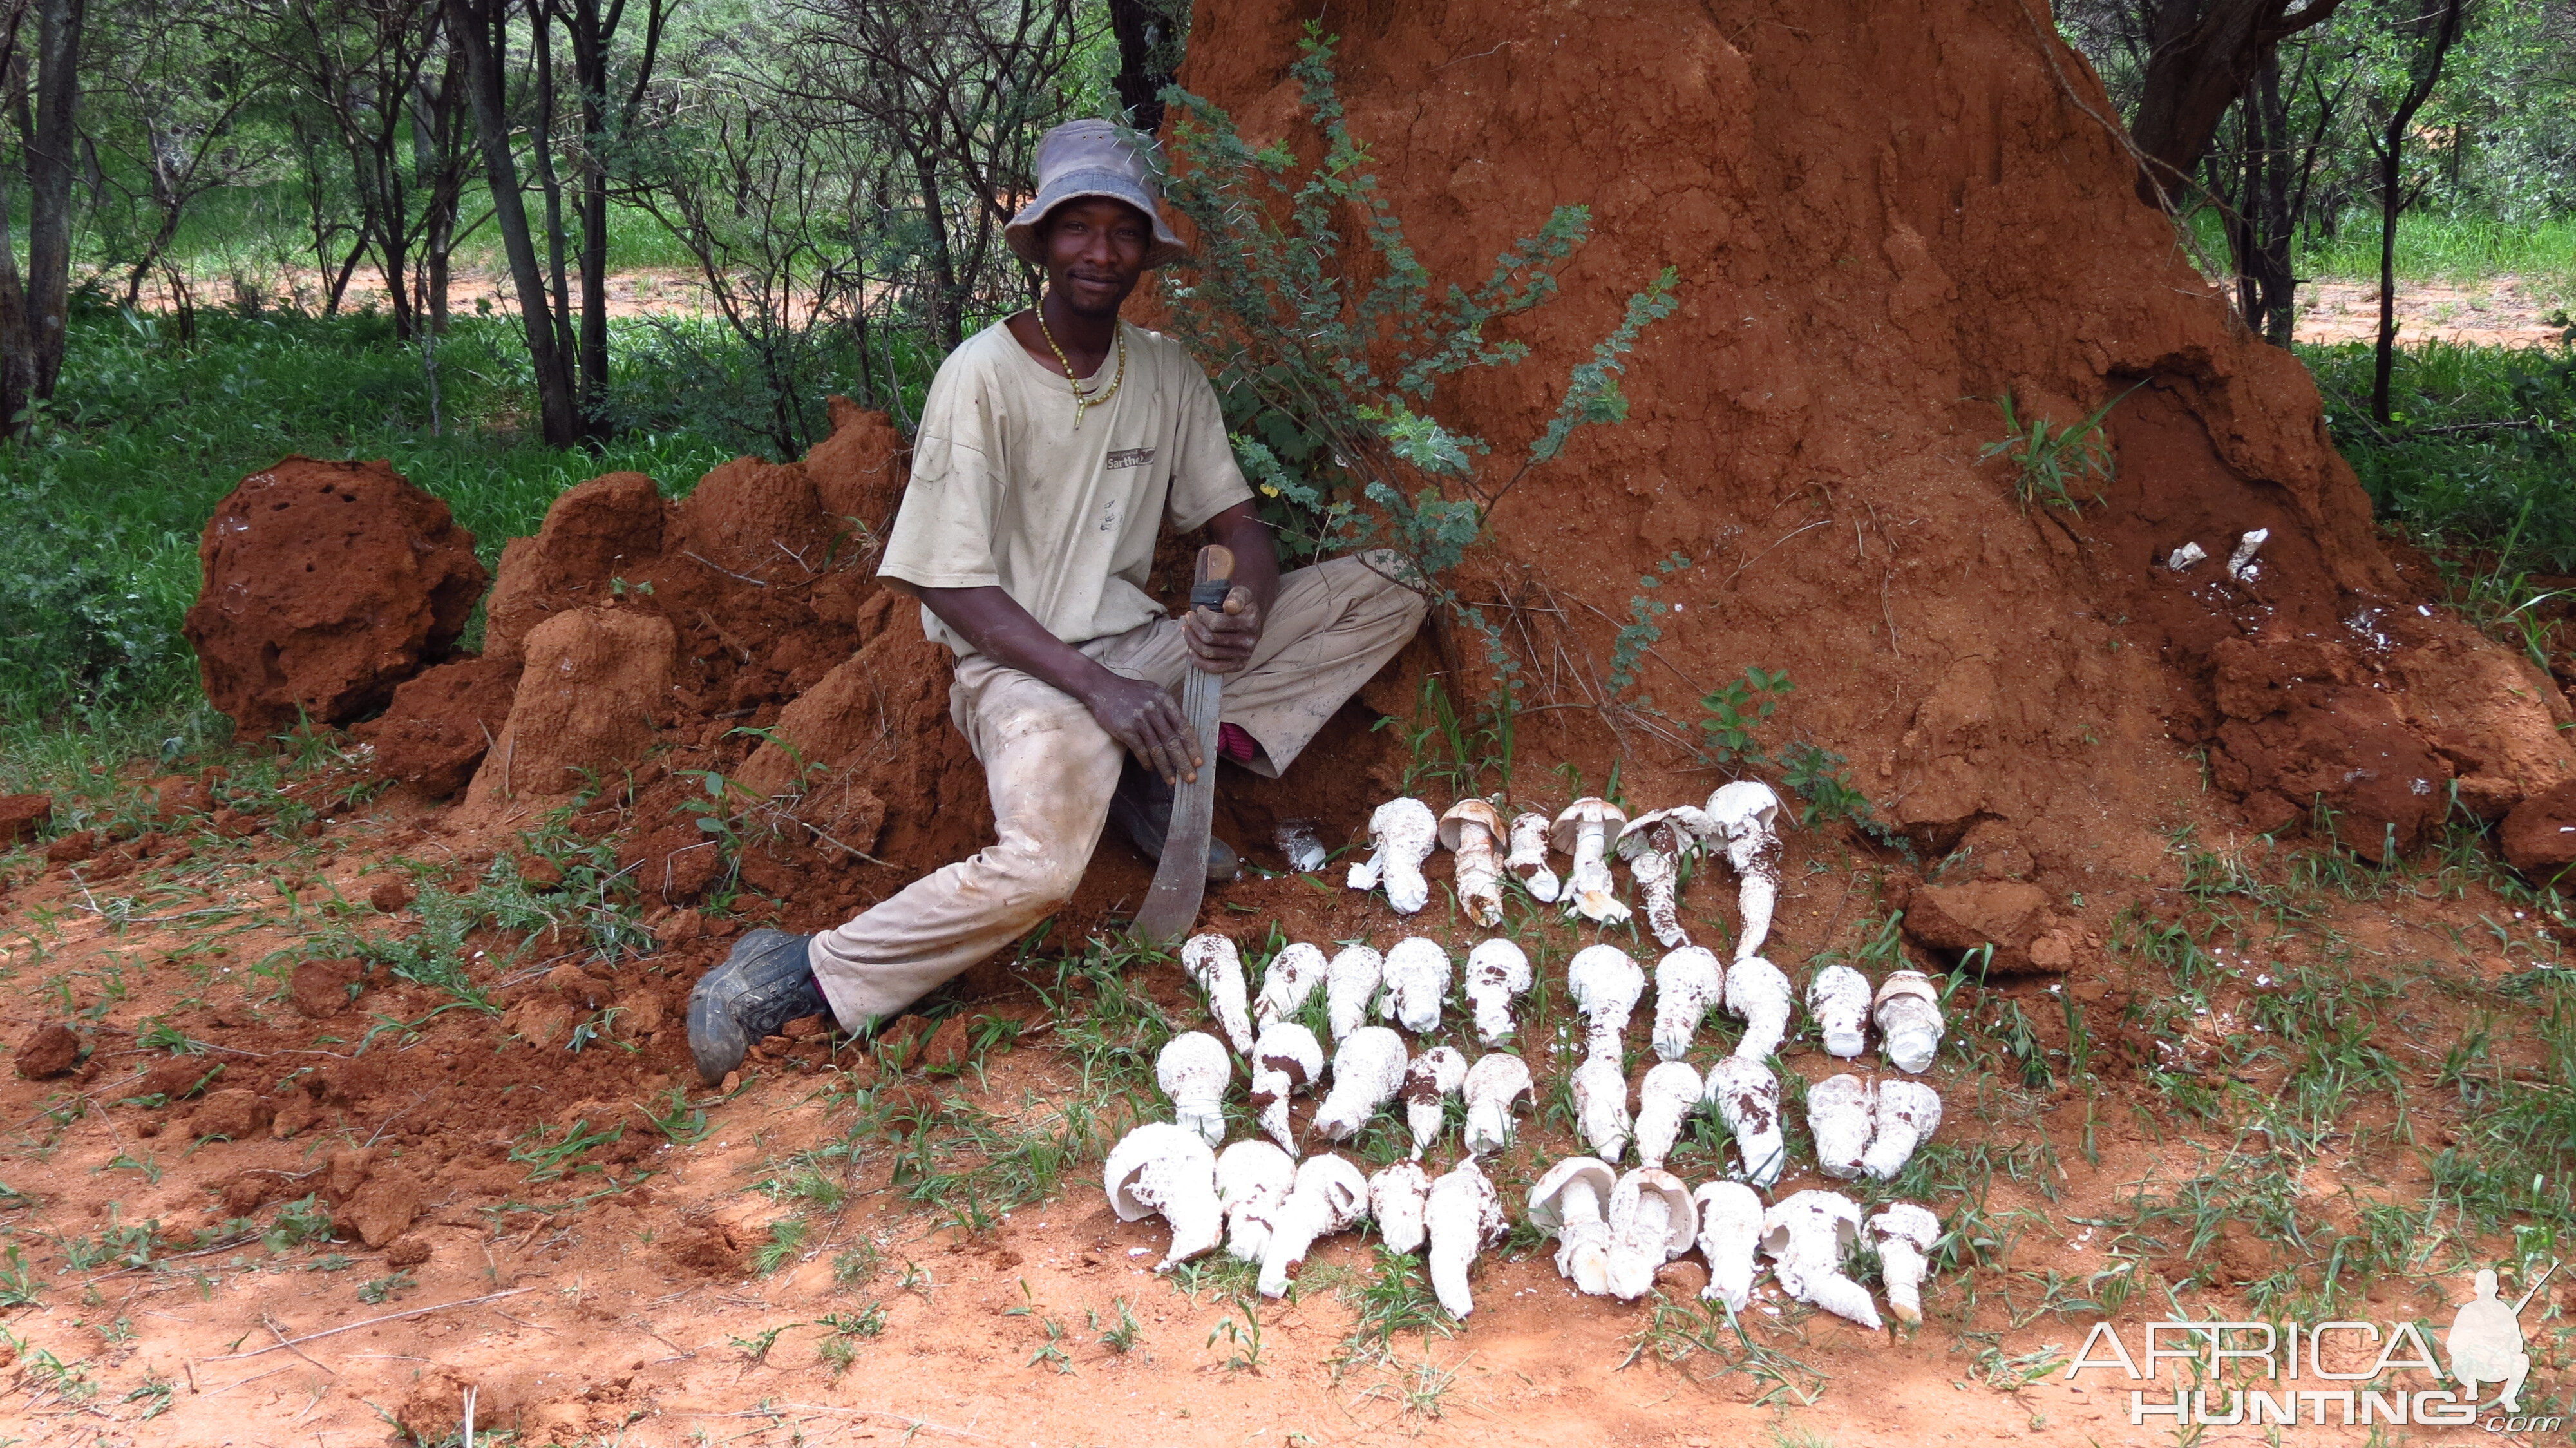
{"x": 1885, "y": 217}
{"x": 325, "y": 586}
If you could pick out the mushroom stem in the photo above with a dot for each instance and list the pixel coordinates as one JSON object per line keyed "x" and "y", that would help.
{"x": 1904, "y": 1233}
{"x": 1350, "y": 983}
{"x": 1664, "y": 1099}
{"x": 1469, "y": 830}
{"x": 1398, "y": 1197}
{"x": 1748, "y": 1100}
{"x": 1212, "y": 962}
{"x": 1401, "y": 835}
{"x": 1463, "y": 1217}
{"x": 1757, "y": 992}
{"x": 1838, "y": 997}
{"x": 1583, "y": 1243}
{"x": 1497, "y": 972}
{"x": 1528, "y": 859}
{"x": 1806, "y": 1236}
{"x": 1908, "y": 1113}
{"x": 1909, "y": 1020}
{"x": 1589, "y": 889}
{"x": 1687, "y": 983}
{"x": 1838, "y": 1116}
{"x": 1601, "y": 1106}
{"x": 1330, "y": 1195}
{"x": 1186, "y": 1197}
{"x": 1730, "y": 1224}
{"x": 1493, "y": 1084}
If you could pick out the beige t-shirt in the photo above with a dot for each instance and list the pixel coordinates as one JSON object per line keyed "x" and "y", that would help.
{"x": 1006, "y": 491}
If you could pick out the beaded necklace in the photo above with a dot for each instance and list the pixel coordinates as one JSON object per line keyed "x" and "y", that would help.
{"x": 1083, "y": 402}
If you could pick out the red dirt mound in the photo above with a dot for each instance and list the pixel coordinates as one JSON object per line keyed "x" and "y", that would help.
{"x": 440, "y": 724}
{"x": 24, "y": 816}
{"x": 325, "y": 586}
{"x": 1871, "y": 247}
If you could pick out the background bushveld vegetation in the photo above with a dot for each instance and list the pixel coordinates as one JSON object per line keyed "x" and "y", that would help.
{"x": 511, "y": 245}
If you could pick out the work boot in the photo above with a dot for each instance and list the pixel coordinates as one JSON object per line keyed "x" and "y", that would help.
{"x": 762, "y": 985}
{"x": 1143, "y": 808}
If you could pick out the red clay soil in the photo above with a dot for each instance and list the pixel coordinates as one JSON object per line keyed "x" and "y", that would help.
{"x": 325, "y": 586}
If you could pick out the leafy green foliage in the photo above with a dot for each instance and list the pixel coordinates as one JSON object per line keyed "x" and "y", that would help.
{"x": 2053, "y": 461}
{"x": 1736, "y": 710}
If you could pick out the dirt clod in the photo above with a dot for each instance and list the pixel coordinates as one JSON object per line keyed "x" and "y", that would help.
{"x": 2539, "y": 836}
{"x": 179, "y": 1078}
{"x": 407, "y": 1252}
{"x": 326, "y": 585}
{"x": 441, "y": 724}
{"x": 50, "y": 1050}
{"x": 390, "y": 896}
{"x": 323, "y": 988}
{"x": 235, "y": 1113}
{"x": 382, "y": 1210}
{"x": 73, "y": 848}
{"x": 22, "y": 816}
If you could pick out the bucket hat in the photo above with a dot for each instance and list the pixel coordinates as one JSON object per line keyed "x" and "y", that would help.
{"x": 1091, "y": 158}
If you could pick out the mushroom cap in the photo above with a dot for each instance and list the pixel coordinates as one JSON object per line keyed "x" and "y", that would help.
{"x": 1906, "y": 1222}
{"x": 1403, "y": 814}
{"x": 1546, "y": 1199}
{"x": 1415, "y": 954}
{"x": 1200, "y": 953}
{"x": 1675, "y": 1080}
{"x": 1193, "y": 1051}
{"x": 1251, "y": 1166}
{"x": 1500, "y": 1072}
{"x": 1742, "y": 804}
{"x": 1286, "y": 1042}
{"x": 1148, "y": 1143}
{"x": 1601, "y": 973}
{"x": 1729, "y": 1197}
{"x": 1826, "y": 1208}
{"x": 1681, "y": 1230}
{"x": 1689, "y": 824}
{"x": 1587, "y": 811}
{"x": 1373, "y": 1051}
{"x": 1906, "y": 983}
{"x": 1442, "y": 1068}
{"x": 1341, "y": 1185}
{"x": 1500, "y": 960}
{"x": 1453, "y": 824}
{"x": 1468, "y": 1180}
{"x": 1406, "y": 1177}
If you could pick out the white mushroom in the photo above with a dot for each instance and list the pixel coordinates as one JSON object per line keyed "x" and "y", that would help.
{"x": 1194, "y": 1071}
{"x": 1286, "y": 1060}
{"x": 1212, "y": 962}
{"x": 1909, "y": 1020}
{"x": 1838, "y": 997}
{"x": 1350, "y": 983}
{"x": 1368, "y": 1069}
{"x": 1758, "y": 994}
{"x": 1434, "y": 1076}
{"x": 1417, "y": 976}
{"x": 1669, "y": 1094}
{"x": 1654, "y": 845}
{"x": 1688, "y": 982}
{"x": 1746, "y": 815}
{"x": 1601, "y": 1106}
{"x": 1568, "y": 1202}
{"x": 1398, "y": 1195}
{"x": 1465, "y": 1217}
{"x": 1730, "y": 1224}
{"x": 1330, "y": 1196}
{"x": 1838, "y": 1116}
{"x": 1908, "y": 1113}
{"x": 1652, "y": 1221}
{"x": 2240, "y": 564}
{"x": 1401, "y": 833}
{"x": 1471, "y": 829}
{"x": 1497, "y": 973}
{"x": 1292, "y": 977}
{"x": 1252, "y": 1182}
{"x": 1904, "y": 1235}
{"x": 1167, "y": 1169}
{"x": 1807, "y": 1237}
{"x": 1494, "y": 1083}
{"x": 1606, "y": 985}
{"x": 1587, "y": 830}
{"x": 1528, "y": 860}
{"x": 2186, "y": 557}
{"x": 1747, "y": 1098}
{"x": 1296, "y": 840}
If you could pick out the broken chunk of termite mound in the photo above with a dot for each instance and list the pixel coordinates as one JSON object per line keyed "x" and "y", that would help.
{"x": 1668, "y": 1095}
{"x": 1194, "y": 1071}
{"x": 1368, "y": 1069}
{"x": 1498, "y": 973}
{"x": 1688, "y": 982}
{"x": 1587, "y": 831}
{"x": 1350, "y": 983}
{"x": 1747, "y": 1098}
{"x": 1567, "y": 1203}
{"x": 1465, "y": 1217}
{"x": 1758, "y": 994}
{"x": 1159, "y": 1168}
{"x": 1652, "y": 1221}
{"x": 1528, "y": 859}
{"x": 1401, "y": 834}
{"x": 1746, "y": 815}
{"x": 1605, "y": 984}
{"x": 1292, "y": 977}
{"x": 1601, "y": 1106}
{"x": 1211, "y": 960}
{"x": 1908, "y": 1112}
{"x": 1909, "y": 1020}
{"x": 1730, "y": 1227}
{"x": 1397, "y": 1196}
{"x": 1287, "y": 1059}
{"x": 1654, "y": 845}
{"x": 1904, "y": 1235}
{"x": 1838, "y": 1117}
{"x": 1252, "y": 1182}
{"x": 1807, "y": 1236}
{"x": 1838, "y": 997}
{"x": 1494, "y": 1084}
{"x": 1471, "y": 830}
{"x": 1416, "y": 972}
{"x": 1429, "y": 1082}
{"x": 1330, "y": 1196}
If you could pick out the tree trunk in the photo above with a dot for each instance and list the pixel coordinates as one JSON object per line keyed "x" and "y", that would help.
{"x": 1145, "y": 54}
{"x": 476, "y": 27}
{"x": 37, "y": 305}
{"x": 2201, "y": 55}
{"x": 2435, "y": 30}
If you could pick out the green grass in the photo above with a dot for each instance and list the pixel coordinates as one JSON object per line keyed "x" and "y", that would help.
{"x": 2460, "y": 250}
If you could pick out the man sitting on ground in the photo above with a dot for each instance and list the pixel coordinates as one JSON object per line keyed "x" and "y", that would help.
{"x": 1053, "y": 448}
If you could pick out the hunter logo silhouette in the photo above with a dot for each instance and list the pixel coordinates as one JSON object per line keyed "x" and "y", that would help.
{"x": 2485, "y": 1341}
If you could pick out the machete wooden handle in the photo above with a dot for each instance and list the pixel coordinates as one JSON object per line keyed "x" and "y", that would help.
{"x": 1215, "y": 577}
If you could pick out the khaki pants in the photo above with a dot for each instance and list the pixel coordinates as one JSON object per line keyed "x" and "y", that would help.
{"x": 1051, "y": 768}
